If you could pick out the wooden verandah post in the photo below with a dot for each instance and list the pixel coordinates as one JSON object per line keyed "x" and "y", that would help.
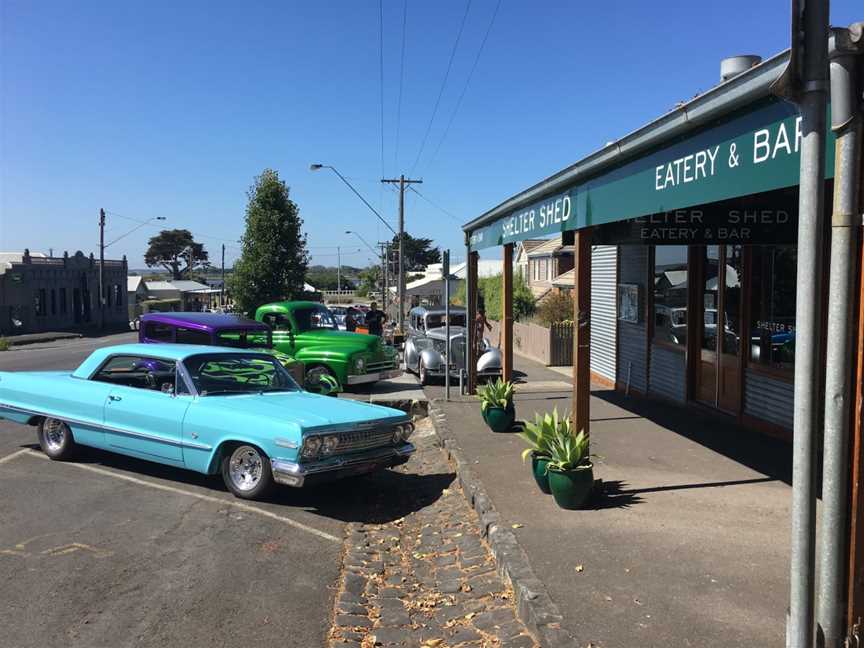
{"x": 471, "y": 297}
{"x": 507, "y": 314}
{"x": 582, "y": 330}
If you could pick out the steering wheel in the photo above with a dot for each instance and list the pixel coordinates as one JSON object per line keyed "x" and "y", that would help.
{"x": 150, "y": 379}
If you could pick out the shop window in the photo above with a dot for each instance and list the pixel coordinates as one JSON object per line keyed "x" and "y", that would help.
{"x": 53, "y": 301}
{"x": 772, "y": 307}
{"x": 62, "y": 301}
{"x": 39, "y": 303}
{"x": 670, "y": 295}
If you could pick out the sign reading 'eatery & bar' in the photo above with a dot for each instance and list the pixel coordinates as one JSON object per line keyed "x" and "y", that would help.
{"x": 753, "y": 151}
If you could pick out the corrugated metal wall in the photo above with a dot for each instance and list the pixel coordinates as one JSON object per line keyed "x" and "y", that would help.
{"x": 604, "y": 261}
{"x": 668, "y": 373}
{"x": 632, "y": 354}
{"x": 768, "y": 399}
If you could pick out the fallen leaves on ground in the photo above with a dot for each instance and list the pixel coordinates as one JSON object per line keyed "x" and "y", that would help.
{"x": 580, "y": 568}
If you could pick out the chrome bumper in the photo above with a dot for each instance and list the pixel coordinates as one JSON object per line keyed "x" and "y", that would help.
{"x": 373, "y": 377}
{"x": 294, "y": 474}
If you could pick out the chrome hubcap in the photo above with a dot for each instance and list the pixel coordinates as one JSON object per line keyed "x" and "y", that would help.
{"x": 245, "y": 468}
{"x": 55, "y": 434}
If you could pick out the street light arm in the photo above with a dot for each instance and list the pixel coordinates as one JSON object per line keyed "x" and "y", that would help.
{"x": 315, "y": 167}
{"x": 374, "y": 251}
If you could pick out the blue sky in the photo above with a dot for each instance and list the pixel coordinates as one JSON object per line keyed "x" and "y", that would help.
{"x": 153, "y": 109}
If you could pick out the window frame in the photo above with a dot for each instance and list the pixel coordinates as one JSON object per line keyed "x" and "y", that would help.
{"x": 180, "y": 374}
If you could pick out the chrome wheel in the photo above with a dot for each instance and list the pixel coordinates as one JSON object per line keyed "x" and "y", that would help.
{"x": 55, "y": 433}
{"x": 245, "y": 468}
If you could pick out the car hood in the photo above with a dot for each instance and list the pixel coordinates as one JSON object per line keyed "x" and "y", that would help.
{"x": 332, "y": 337}
{"x": 304, "y": 409}
{"x": 440, "y": 333}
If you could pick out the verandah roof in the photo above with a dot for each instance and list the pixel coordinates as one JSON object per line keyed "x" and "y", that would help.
{"x": 734, "y": 140}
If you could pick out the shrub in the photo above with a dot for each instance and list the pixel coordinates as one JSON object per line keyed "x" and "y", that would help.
{"x": 557, "y": 307}
{"x": 4, "y": 344}
{"x": 490, "y": 296}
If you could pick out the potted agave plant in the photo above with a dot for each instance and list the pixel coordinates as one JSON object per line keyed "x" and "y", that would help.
{"x": 538, "y": 436}
{"x": 570, "y": 471}
{"x": 496, "y": 404}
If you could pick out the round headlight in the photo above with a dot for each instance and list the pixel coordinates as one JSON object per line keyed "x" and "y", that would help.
{"x": 397, "y": 434}
{"x": 311, "y": 446}
{"x": 407, "y": 430}
{"x": 331, "y": 442}
{"x": 359, "y": 364}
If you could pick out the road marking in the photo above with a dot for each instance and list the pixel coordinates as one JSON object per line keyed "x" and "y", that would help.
{"x": 18, "y": 453}
{"x": 207, "y": 498}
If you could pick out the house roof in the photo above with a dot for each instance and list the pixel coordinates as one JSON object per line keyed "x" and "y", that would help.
{"x": 132, "y": 283}
{"x": 184, "y": 285}
{"x": 565, "y": 278}
{"x": 160, "y": 285}
{"x": 547, "y": 248}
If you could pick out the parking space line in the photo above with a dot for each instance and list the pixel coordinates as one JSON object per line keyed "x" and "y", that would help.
{"x": 171, "y": 489}
{"x": 10, "y": 457}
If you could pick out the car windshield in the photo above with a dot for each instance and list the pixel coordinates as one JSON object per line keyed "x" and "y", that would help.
{"x": 314, "y": 318}
{"x": 219, "y": 374}
{"x": 436, "y": 321}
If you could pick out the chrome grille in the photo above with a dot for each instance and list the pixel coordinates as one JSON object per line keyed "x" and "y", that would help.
{"x": 381, "y": 365}
{"x": 457, "y": 357}
{"x": 440, "y": 346}
{"x": 365, "y": 439}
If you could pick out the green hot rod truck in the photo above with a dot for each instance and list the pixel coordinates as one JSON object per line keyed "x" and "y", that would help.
{"x": 307, "y": 331}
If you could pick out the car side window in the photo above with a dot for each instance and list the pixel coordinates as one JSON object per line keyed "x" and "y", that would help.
{"x": 277, "y": 321}
{"x": 192, "y": 336}
{"x": 158, "y": 331}
{"x": 138, "y": 371}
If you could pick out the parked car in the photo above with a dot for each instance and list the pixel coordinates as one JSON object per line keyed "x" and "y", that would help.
{"x": 217, "y": 329}
{"x": 308, "y": 332}
{"x": 341, "y": 312}
{"x": 209, "y": 409}
{"x": 427, "y": 348}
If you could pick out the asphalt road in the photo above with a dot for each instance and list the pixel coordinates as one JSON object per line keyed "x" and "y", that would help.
{"x": 112, "y": 551}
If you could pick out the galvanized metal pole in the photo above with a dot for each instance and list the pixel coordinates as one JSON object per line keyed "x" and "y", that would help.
{"x": 448, "y": 360}
{"x": 808, "y": 318}
{"x": 101, "y": 269}
{"x": 846, "y": 123}
{"x": 469, "y": 321}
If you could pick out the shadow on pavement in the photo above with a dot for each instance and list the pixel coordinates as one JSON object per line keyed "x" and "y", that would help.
{"x": 375, "y": 498}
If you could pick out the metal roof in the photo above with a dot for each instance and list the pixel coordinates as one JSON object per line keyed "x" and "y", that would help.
{"x": 720, "y": 100}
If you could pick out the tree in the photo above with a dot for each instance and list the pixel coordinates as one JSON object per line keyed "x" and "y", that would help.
{"x": 418, "y": 252}
{"x": 490, "y": 296}
{"x": 370, "y": 281}
{"x": 272, "y": 265}
{"x": 171, "y": 247}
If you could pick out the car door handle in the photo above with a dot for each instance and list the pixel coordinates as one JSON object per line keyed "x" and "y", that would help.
{"x": 113, "y": 397}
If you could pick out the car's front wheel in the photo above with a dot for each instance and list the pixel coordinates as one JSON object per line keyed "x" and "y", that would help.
{"x": 423, "y": 373}
{"x": 246, "y": 472}
{"x": 55, "y": 439}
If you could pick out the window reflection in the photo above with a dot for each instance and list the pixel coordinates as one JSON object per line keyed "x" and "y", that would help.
{"x": 772, "y": 307}
{"x": 670, "y": 294}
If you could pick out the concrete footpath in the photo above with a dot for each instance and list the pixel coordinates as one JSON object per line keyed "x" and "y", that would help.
{"x": 686, "y": 546}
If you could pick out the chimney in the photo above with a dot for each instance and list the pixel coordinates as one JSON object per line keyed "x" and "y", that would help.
{"x": 735, "y": 65}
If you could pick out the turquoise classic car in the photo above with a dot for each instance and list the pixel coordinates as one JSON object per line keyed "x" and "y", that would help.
{"x": 209, "y": 409}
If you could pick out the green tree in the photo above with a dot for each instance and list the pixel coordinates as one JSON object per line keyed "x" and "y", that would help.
{"x": 419, "y": 253}
{"x": 171, "y": 248}
{"x": 272, "y": 265}
{"x": 490, "y": 296}
{"x": 370, "y": 281}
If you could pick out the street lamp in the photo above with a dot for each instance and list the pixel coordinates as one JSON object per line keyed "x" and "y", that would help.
{"x": 316, "y": 167}
{"x": 374, "y": 251}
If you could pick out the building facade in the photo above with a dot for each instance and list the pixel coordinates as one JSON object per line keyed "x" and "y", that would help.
{"x": 41, "y": 293}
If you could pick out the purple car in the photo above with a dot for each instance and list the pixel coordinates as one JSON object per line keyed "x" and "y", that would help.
{"x": 215, "y": 329}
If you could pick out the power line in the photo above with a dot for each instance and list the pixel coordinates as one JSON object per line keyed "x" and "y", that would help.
{"x": 443, "y": 85}
{"x": 436, "y": 206}
{"x": 467, "y": 83}
{"x": 401, "y": 83}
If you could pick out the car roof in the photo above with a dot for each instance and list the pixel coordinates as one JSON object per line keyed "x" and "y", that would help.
{"x": 162, "y": 351}
{"x": 207, "y": 321}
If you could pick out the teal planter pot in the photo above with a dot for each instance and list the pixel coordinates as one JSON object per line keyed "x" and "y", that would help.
{"x": 572, "y": 488}
{"x": 500, "y": 419}
{"x": 538, "y": 468}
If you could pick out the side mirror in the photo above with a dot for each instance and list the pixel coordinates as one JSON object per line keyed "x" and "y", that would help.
{"x": 167, "y": 388}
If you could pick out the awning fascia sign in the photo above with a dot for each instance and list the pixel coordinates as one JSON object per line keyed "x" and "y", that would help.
{"x": 751, "y": 151}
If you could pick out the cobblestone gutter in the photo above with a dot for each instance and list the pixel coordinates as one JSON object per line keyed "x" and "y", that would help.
{"x": 427, "y": 579}
{"x": 534, "y": 605}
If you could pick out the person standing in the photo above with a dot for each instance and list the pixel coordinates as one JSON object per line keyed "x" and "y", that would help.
{"x": 375, "y": 320}
{"x": 350, "y": 320}
{"x": 480, "y": 323}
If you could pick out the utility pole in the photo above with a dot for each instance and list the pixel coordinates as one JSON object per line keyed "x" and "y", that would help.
{"x": 385, "y": 261}
{"x": 402, "y": 181}
{"x": 338, "y": 271}
{"x": 101, "y": 269}
{"x": 222, "y": 295}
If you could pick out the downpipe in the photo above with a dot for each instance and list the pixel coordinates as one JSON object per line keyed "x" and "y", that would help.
{"x": 845, "y": 223}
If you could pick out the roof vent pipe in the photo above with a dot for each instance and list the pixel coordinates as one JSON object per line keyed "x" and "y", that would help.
{"x": 735, "y": 65}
